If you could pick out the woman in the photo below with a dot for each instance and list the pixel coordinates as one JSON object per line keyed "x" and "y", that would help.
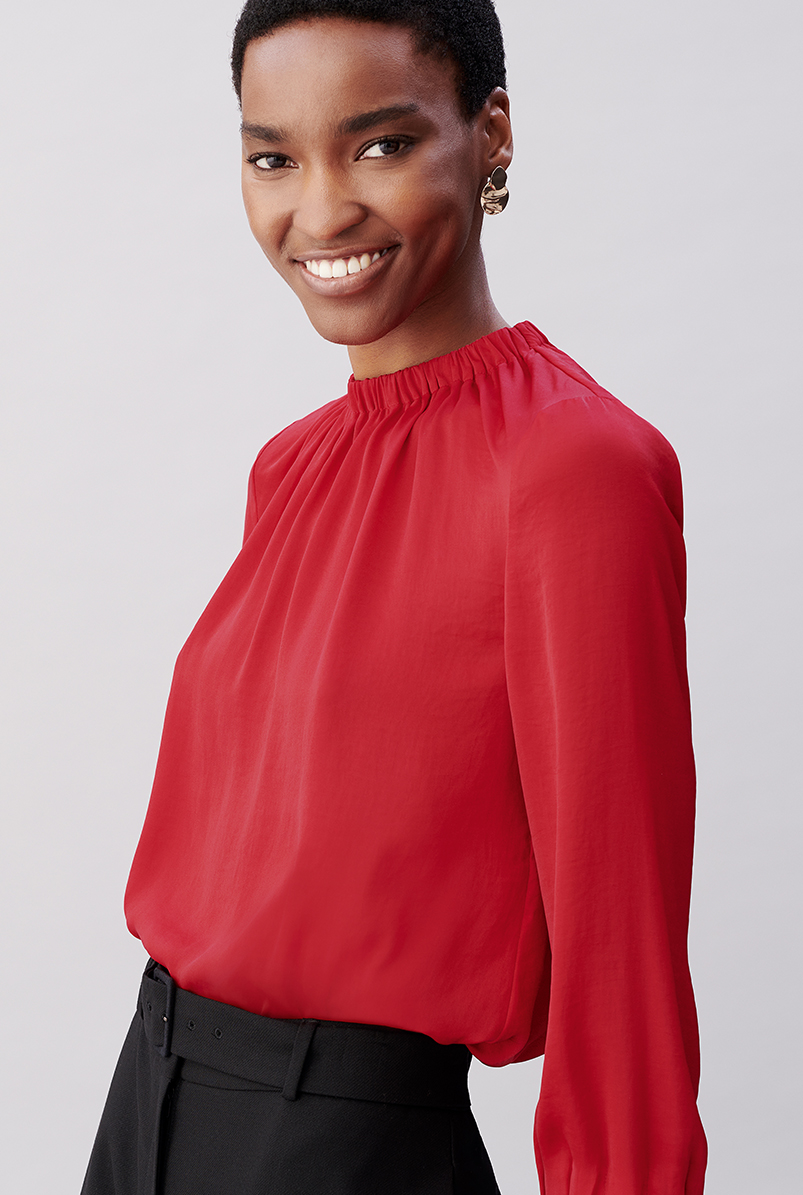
{"x": 426, "y": 787}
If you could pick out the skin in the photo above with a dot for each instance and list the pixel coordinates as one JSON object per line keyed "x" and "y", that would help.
{"x": 408, "y": 181}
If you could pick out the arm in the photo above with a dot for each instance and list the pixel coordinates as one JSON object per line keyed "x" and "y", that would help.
{"x": 595, "y": 651}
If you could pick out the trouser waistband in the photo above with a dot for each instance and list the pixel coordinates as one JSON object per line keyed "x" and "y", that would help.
{"x": 335, "y": 1058}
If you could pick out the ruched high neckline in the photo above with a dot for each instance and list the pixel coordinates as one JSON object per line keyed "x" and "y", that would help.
{"x": 417, "y": 383}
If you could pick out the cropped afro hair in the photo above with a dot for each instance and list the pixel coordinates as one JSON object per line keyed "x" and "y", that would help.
{"x": 467, "y": 31}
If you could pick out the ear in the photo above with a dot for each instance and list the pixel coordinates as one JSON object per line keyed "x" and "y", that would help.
{"x": 494, "y": 120}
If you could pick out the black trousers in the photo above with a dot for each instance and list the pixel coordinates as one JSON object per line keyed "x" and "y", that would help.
{"x": 210, "y": 1100}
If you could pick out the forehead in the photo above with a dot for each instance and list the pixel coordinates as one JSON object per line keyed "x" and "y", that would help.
{"x": 331, "y": 67}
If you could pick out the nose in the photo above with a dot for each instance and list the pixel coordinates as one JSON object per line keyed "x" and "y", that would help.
{"x": 326, "y": 206}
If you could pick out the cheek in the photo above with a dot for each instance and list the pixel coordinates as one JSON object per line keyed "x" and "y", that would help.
{"x": 253, "y": 213}
{"x": 436, "y": 240}
{"x": 436, "y": 209}
{"x": 264, "y": 220}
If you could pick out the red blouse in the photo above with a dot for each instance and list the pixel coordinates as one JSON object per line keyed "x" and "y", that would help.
{"x": 427, "y": 758}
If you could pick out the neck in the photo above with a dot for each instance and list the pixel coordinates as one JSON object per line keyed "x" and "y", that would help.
{"x": 448, "y": 319}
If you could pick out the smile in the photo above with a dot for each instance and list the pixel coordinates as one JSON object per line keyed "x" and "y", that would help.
{"x": 341, "y": 267}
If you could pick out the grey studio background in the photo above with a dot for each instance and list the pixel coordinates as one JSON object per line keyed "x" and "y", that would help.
{"x": 148, "y": 353}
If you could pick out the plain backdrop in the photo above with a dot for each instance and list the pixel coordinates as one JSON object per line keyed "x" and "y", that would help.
{"x": 148, "y": 352}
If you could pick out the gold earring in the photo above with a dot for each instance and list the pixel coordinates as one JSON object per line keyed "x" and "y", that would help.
{"x": 495, "y": 194}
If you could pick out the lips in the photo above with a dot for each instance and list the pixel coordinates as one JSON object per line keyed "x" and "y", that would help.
{"x": 344, "y": 274}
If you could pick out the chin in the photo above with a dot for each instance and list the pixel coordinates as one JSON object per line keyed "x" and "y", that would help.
{"x": 351, "y": 327}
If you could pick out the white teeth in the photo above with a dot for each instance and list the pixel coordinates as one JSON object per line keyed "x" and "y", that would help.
{"x": 339, "y": 267}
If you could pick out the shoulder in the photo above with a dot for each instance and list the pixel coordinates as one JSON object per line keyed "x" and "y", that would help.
{"x": 279, "y": 455}
{"x": 595, "y": 495}
{"x": 592, "y": 439}
{"x": 290, "y": 439}
{"x": 284, "y": 454}
{"x": 579, "y": 444}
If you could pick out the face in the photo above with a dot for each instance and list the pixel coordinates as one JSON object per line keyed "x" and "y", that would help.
{"x": 361, "y": 176}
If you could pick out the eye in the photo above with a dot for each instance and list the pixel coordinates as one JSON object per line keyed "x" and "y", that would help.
{"x": 269, "y": 162}
{"x": 384, "y": 147}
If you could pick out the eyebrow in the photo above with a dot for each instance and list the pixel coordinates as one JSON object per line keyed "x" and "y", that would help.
{"x": 360, "y": 123}
{"x": 263, "y": 132}
{"x": 369, "y": 120}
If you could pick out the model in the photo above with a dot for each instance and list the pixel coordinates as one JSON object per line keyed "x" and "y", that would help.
{"x": 426, "y": 786}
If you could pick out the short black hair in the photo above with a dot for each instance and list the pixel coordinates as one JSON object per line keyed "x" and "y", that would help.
{"x": 467, "y": 31}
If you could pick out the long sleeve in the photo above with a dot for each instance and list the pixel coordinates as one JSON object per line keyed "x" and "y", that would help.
{"x": 595, "y": 661}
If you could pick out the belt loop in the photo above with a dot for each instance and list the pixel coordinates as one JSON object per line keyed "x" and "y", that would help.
{"x": 301, "y": 1045}
{"x": 167, "y": 1018}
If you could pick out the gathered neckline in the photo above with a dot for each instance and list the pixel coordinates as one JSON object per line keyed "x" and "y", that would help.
{"x": 417, "y": 383}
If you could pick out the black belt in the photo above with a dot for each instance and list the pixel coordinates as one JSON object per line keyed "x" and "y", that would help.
{"x": 336, "y": 1058}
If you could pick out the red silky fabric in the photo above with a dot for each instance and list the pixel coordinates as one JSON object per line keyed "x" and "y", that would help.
{"x": 427, "y": 755}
